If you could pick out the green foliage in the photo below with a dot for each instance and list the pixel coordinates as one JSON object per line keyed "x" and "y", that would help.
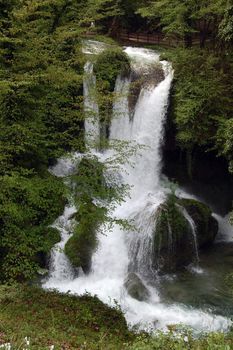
{"x": 27, "y": 207}
{"x": 109, "y": 65}
{"x": 83, "y": 242}
{"x": 225, "y": 140}
{"x": 62, "y": 320}
{"x": 182, "y": 340}
{"x": 226, "y": 26}
{"x": 109, "y": 15}
{"x": 202, "y": 96}
{"x": 185, "y": 18}
{"x": 41, "y": 116}
{"x": 92, "y": 184}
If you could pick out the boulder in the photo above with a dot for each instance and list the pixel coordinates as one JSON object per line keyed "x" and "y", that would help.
{"x": 175, "y": 240}
{"x": 206, "y": 224}
{"x": 141, "y": 78}
{"x": 136, "y": 288}
{"x": 82, "y": 244}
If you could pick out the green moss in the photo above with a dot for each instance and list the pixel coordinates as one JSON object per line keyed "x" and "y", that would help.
{"x": 52, "y": 237}
{"x": 174, "y": 245}
{"x": 83, "y": 243}
{"x": 108, "y": 66}
{"x": 200, "y": 208}
{"x": 172, "y": 248}
{"x": 89, "y": 183}
{"x": 170, "y": 215}
{"x": 110, "y": 63}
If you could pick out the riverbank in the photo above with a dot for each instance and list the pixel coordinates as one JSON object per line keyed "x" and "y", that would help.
{"x": 34, "y": 319}
{"x": 59, "y": 320}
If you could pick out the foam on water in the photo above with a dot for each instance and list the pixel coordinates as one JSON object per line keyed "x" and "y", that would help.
{"x": 225, "y": 232}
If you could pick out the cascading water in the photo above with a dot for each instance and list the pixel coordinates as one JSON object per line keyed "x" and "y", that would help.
{"x": 60, "y": 268}
{"x": 193, "y": 231}
{"x": 121, "y": 252}
{"x": 225, "y": 228}
{"x": 92, "y": 127}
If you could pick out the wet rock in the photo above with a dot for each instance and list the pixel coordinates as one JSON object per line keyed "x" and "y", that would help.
{"x": 206, "y": 224}
{"x": 136, "y": 288}
{"x": 174, "y": 242}
{"x": 143, "y": 79}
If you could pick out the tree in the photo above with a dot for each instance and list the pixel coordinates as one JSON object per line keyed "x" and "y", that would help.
{"x": 185, "y": 18}
{"x": 226, "y": 25}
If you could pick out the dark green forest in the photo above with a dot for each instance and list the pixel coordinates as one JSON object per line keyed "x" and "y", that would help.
{"x": 42, "y": 107}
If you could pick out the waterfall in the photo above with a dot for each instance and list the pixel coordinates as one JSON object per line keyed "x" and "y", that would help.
{"x": 193, "y": 231}
{"x": 60, "y": 268}
{"x": 225, "y": 233}
{"x": 92, "y": 127}
{"x": 120, "y": 251}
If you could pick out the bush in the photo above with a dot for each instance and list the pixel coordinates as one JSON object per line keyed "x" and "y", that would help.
{"x": 28, "y": 205}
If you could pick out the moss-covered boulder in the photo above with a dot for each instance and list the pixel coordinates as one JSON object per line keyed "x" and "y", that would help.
{"x": 175, "y": 240}
{"x": 89, "y": 183}
{"x": 82, "y": 244}
{"x": 136, "y": 288}
{"x": 51, "y": 236}
{"x": 109, "y": 65}
{"x": 206, "y": 224}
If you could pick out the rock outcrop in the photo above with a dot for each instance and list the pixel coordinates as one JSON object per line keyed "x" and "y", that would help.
{"x": 175, "y": 240}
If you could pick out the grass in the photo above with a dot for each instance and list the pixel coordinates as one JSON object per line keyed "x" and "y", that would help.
{"x": 52, "y": 321}
{"x": 65, "y": 321}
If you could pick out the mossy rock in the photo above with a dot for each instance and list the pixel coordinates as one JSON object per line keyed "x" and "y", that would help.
{"x": 81, "y": 246}
{"x": 136, "y": 288}
{"x": 206, "y": 224}
{"x": 173, "y": 241}
{"x": 51, "y": 237}
{"x": 89, "y": 180}
{"x": 143, "y": 79}
{"x": 109, "y": 64}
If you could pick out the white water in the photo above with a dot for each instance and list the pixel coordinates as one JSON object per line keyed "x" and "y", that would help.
{"x": 225, "y": 231}
{"x": 193, "y": 230}
{"x": 60, "y": 268}
{"x": 117, "y": 249}
{"x": 92, "y": 127}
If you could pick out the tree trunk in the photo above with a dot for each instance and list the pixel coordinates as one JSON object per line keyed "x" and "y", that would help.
{"x": 113, "y": 30}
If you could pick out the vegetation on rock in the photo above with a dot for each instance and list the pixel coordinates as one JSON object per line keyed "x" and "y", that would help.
{"x": 206, "y": 225}
{"x": 172, "y": 241}
{"x": 174, "y": 245}
{"x": 110, "y": 64}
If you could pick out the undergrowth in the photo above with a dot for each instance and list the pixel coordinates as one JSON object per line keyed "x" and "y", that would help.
{"x": 35, "y": 319}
